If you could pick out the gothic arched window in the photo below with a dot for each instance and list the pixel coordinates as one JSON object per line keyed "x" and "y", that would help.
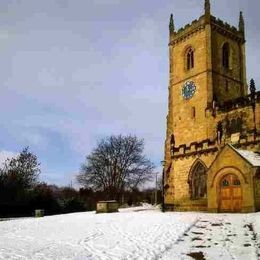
{"x": 198, "y": 181}
{"x": 190, "y": 59}
{"x": 225, "y": 55}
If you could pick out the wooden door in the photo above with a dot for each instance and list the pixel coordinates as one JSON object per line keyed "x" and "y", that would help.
{"x": 230, "y": 195}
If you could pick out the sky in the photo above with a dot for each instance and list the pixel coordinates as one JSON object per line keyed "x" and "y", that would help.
{"x": 75, "y": 71}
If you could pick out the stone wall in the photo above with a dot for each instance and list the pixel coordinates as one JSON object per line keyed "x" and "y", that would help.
{"x": 178, "y": 192}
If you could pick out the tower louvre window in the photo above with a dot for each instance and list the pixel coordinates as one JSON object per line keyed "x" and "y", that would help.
{"x": 190, "y": 59}
{"x": 225, "y": 55}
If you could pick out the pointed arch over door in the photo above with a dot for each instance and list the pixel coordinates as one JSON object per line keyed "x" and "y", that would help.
{"x": 198, "y": 180}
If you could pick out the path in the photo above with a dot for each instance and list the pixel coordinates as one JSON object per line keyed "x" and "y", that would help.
{"x": 225, "y": 236}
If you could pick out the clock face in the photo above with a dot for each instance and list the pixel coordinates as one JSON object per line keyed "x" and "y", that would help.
{"x": 188, "y": 89}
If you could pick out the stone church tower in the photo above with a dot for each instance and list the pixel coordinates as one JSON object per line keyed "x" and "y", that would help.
{"x": 213, "y": 124}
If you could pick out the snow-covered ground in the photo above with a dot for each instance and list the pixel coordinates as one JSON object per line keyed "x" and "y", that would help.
{"x": 135, "y": 233}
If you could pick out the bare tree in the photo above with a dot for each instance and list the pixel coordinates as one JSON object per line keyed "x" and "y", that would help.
{"x": 116, "y": 164}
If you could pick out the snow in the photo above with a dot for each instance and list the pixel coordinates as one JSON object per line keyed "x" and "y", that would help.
{"x": 252, "y": 157}
{"x": 133, "y": 233}
{"x": 219, "y": 236}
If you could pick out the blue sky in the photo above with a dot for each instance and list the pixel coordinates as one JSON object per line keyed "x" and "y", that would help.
{"x": 75, "y": 71}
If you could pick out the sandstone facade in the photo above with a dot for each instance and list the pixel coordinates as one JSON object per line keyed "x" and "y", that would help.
{"x": 208, "y": 108}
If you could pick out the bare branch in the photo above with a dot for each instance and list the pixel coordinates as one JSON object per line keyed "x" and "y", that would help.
{"x": 116, "y": 164}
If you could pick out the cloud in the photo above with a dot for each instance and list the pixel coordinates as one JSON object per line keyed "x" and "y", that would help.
{"x": 4, "y": 35}
{"x": 33, "y": 137}
{"x": 6, "y": 155}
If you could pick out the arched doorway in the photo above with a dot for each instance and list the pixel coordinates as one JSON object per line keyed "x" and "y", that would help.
{"x": 230, "y": 194}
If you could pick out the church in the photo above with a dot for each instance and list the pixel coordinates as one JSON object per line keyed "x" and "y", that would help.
{"x": 212, "y": 146}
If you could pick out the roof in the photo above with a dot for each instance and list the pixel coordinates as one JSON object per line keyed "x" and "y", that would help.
{"x": 252, "y": 157}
